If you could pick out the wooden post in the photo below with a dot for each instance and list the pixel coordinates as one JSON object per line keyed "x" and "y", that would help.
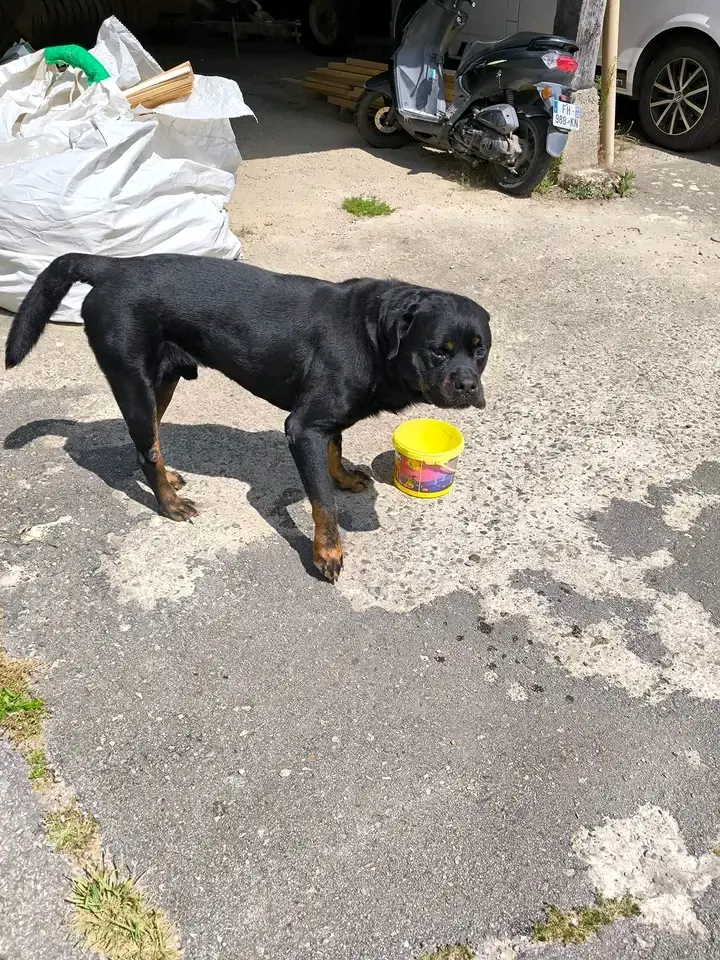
{"x": 609, "y": 78}
{"x": 582, "y": 21}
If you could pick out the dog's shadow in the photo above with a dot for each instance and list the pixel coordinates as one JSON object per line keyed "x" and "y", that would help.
{"x": 262, "y": 460}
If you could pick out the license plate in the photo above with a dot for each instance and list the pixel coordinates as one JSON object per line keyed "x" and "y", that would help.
{"x": 566, "y": 116}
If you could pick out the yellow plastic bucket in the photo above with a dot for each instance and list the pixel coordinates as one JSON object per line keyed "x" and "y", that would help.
{"x": 426, "y": 456}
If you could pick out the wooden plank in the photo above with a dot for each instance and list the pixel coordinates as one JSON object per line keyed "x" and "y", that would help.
{"x": 352, "y": 77}
{"x": 163, "y": 88}
{"x": 326, "y": 71}
{"x": 372, "y": 64}
{"x": 347, "y": 72}
{"x": 327, "y": 89}
{"x": 360, "y": 71}
{"x": 331, "y": 78}
{"x": 333, "y": 87}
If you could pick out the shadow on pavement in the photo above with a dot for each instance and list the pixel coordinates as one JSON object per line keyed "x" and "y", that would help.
{"x": 260, "y": 459}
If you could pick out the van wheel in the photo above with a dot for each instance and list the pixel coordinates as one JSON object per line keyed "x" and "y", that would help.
{"x": 680, "y": 97}
{"x": 328, "y": 26}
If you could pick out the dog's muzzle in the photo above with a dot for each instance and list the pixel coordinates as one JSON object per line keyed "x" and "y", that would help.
{"x": 458, "y": 395}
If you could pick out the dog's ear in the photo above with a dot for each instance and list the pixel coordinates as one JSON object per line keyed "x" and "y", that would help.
{"x": 398, "y": 309}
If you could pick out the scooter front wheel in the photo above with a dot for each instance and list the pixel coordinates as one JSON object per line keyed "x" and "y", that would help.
{"x": 533, "y": 164}
{"x": 376, "y": 121}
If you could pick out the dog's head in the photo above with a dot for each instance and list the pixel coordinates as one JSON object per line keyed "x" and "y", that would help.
{"x": 439, "y": 343}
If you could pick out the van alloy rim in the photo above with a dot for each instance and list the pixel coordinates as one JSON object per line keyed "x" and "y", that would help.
{"x": 679, "y": 96}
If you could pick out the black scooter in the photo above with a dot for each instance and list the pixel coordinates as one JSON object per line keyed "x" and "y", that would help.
{"x": 512, "y": 106}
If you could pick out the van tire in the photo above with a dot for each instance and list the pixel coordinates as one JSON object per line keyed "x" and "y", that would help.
{"x": 665, "y": 70}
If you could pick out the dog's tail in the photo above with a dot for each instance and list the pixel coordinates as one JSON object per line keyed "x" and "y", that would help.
{"x": 43, "y": 299}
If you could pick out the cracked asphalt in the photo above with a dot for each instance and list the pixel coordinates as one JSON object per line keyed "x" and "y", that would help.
{"x": 510, "y": 698}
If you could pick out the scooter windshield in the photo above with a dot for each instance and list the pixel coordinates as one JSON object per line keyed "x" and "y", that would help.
{"x": 418, "y": 59}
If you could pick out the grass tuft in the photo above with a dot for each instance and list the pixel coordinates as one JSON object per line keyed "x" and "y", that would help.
{"x": 20, "y": 713}
{"x": 624, "y": 139}
{"x": 110, "y": 912}
{"x": 13, "y": 701}
{"x": 71, "y": 830}
{"x": 550, "y": 179}
{"x": 626, "y": 183}
{"x": 458, "y": 952}
{"x": 113, "y": 918}
{"x": 607, "y": 187}
{"x": 473, "y": 177}
{"x": 577, "y": 926}
{"x": 366, "y": 207}
{"x": 37, "y": 762}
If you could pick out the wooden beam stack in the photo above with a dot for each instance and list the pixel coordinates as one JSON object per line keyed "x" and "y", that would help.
{"x": 341, "y": 82}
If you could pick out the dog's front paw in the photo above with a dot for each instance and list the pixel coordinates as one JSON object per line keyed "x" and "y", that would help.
{"x": 360, "y": 481}
{"x": 329, "y": 561}
{"x": 354, "y": 481}
{"x": 179, "y": 509}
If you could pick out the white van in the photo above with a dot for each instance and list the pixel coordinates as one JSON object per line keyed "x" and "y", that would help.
{"x": 669, "y": 59}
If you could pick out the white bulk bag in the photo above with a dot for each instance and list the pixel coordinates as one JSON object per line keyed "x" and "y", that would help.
{"x": 81, "y": 171}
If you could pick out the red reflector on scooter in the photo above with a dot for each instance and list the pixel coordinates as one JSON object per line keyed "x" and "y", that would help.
{"x": 566, "y": 64}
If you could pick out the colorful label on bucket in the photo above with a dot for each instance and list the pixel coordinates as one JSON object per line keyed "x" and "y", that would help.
{"x": 419, "y": 477}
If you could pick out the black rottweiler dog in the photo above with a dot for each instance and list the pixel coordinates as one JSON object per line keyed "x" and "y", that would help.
{"x": 330, "y": 353}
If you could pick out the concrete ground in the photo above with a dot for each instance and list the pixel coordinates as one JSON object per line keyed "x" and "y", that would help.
{"x": 510, "y": 698}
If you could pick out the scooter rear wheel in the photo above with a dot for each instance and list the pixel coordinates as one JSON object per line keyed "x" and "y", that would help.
{"x": 371, "y": 115}
{"x": 534, "y": 162}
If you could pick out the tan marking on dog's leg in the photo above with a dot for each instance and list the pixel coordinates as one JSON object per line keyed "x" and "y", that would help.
{"x": 327, "y": 548}
{"x": 163, "y": 395}
{"x": 153, "y": 466}
{"x": 353, "y": 480}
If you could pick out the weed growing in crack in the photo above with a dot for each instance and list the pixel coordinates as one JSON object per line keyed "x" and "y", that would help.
{"x": 37, "y": 764}
{"x": 21, "y": 714}
{"x": 70, "y": 830}
{"x": 602, "y": 188}
{"x": 114, "y": 919}
{"x": 110, "y": 911}
{"x": 550, "y": 179}
{"x": 458, "y": 952}
{"x": 577, "y": 926}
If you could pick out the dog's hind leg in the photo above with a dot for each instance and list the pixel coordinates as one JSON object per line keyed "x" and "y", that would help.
{"x": 163, "y": 395}
{"x": 309, "y": 446}
{"x": 353, "y": 480}
{"x": 136, "y": 400}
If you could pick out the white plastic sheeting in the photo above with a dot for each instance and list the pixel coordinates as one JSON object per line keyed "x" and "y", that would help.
{"x": 81, "y": 171}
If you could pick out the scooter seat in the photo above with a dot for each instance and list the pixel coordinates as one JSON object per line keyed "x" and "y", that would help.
{"x": 480, "y": 48}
